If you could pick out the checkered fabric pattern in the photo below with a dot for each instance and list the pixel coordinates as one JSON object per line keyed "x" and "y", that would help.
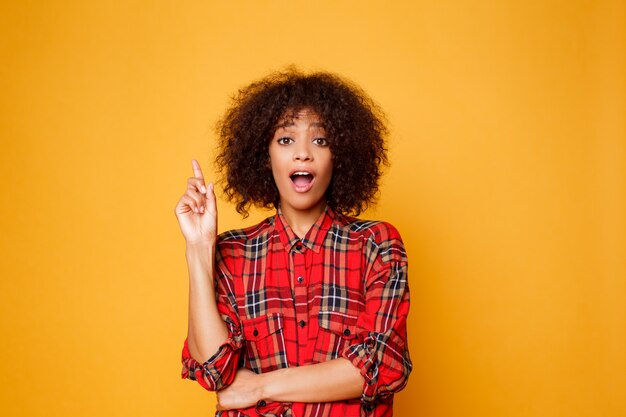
{"x": 341, "y": 291}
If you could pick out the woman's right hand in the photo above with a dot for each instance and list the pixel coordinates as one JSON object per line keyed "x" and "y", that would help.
{"x": 196, "y": 210}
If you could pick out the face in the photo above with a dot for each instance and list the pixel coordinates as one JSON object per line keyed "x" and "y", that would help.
{"x": 301, "y": 163}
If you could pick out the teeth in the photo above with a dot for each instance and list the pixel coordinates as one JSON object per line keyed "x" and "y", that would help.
{"x": 301, "y": 173}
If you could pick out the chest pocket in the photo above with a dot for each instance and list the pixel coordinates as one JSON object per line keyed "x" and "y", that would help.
{"x": 337, "y": 331}
{"x": 265, "y": 342}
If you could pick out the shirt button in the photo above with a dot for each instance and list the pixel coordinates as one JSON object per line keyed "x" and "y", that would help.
{"x": 300, "y": 279}
{"x": 261, "y": 403}
{"x": 255, "y": 333}
{"x": 298, "y": 247}
{"x": 302, "y": 323}
{"x": 346, "y": 332}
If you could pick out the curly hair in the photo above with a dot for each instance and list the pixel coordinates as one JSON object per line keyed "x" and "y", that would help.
{"x": 354, "y": 124}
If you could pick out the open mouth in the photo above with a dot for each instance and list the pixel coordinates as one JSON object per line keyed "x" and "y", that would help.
{"x": 302, "y": 180}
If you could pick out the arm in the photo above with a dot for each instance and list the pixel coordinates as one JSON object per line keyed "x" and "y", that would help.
{"x": 334, "y": 380}
{"x": 381, "y": 351}
{"x": 213, "y": 346}
{"x": 210, "y": 353}
{"x": 206, "y": 330}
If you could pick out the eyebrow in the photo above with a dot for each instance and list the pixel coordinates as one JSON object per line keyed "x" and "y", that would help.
{"x": 289, "y": 124}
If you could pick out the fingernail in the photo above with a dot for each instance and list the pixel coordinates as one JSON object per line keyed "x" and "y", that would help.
{"x": 202, "y": 209}
{"x": 203, "y": 189}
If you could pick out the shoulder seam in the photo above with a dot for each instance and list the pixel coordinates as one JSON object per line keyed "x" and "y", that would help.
{"x": 247, "y": 233}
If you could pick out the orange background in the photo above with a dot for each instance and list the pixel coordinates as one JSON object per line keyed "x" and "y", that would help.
{"x": 507, "y": 183}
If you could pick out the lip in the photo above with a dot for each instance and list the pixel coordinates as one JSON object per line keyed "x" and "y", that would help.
{"x": 304, "y": 188}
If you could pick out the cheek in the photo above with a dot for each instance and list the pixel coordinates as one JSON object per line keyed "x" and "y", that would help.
{"x": 272, "y": 159}
{"x": 278, "y": 173}
{"x": 275, "y": 172}
{"x": 328, "y": 165}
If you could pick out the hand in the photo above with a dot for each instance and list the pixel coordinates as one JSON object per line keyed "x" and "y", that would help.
{"x": 244, "y": 392}
{"x": 196, "y": 210}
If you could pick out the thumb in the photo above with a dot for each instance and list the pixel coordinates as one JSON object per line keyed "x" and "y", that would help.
{"x": 211, "y": 203}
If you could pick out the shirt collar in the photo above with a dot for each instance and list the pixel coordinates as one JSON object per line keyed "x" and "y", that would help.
{"x": 314, "y": 237}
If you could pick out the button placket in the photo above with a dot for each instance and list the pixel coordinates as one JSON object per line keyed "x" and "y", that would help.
{"x": 300, "y": 293}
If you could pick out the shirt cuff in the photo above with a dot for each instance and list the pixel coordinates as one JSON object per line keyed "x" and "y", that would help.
{"x": 364, "y": 357}
{"x": 218, "y": 371}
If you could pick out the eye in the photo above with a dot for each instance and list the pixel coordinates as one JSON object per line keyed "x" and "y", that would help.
{"x": 285, "y": 140}
{"x": 321, "y": 141}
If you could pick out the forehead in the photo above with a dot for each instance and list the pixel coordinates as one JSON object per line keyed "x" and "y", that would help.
{"x": 307, "y": 117}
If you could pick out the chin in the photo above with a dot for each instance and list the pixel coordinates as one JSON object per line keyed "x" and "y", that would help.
{"x": 306, "y": 205}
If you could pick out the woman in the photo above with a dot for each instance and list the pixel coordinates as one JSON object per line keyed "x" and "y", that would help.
{"x": 303, "y": 314}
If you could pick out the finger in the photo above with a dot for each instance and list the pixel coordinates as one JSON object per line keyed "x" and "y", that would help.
{"x": 191, "y": 203}
{"x": 184, "y": 205}
{"x": 197, "y": 171}
{"x": 181, "y": 207}
{"x": 199, "y": 199}
{"x": 194, "y": 183}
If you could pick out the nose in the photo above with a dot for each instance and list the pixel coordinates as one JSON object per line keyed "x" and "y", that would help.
{"x": 302, "y": 151}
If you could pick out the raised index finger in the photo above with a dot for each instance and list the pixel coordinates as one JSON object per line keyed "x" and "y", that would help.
{"x": 197, "y": 171}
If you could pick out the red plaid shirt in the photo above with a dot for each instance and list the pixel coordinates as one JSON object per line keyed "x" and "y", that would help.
{"x": 342, "y": 291}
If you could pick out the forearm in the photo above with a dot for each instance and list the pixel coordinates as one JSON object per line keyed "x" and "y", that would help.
{"x": 334, "y": 380}
{"x": 206, "y": 330}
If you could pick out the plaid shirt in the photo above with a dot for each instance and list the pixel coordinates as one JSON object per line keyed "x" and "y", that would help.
{"x": 342, "y": 291}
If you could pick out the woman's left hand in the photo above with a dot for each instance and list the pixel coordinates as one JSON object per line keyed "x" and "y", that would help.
{"x": 245, "y": 391}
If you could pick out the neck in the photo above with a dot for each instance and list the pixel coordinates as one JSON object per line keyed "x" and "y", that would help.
{"x": 301, "y": 221}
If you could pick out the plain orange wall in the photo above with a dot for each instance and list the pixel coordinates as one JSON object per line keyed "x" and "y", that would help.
{"x": 507, "y": 182}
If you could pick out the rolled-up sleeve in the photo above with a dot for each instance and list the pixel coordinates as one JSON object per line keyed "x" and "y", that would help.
{"x": 380, "y": 350}
{"x": 220, "y": 369}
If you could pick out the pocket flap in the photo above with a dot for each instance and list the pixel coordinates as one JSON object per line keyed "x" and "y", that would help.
{"x": 260, "y": 327}
{"x": 339, "y": 323}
